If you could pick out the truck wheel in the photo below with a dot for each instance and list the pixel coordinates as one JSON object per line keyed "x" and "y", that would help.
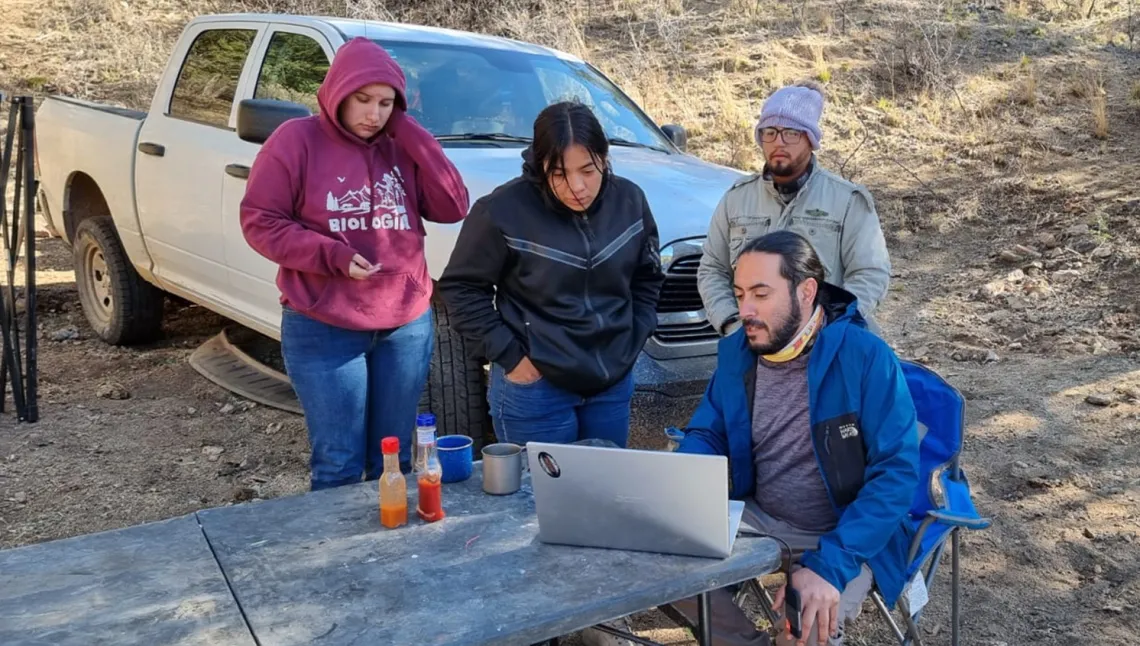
{"x": 456, "y": 390}
{"x": 122, "y": 308}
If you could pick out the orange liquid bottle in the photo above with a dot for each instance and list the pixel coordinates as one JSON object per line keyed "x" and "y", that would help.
{"x": 429, "y": 472}
{"x": 393, "y": 487}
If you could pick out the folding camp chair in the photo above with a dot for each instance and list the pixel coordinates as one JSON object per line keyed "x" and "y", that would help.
{"x": 942, "y": 505}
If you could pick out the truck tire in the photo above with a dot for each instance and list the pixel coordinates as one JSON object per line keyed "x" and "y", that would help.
{"x": 121, "y": 307}
{"x": 456, "y": 390}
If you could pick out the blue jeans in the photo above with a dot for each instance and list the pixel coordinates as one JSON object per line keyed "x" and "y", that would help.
{"x": 543, "y": 412}
{"x": 356, "y": 388}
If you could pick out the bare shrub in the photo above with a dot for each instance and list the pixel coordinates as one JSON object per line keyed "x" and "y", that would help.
{"x": 922, "y": 54}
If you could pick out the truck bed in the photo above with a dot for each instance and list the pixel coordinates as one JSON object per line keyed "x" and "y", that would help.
{"x": 137, "y": 115}
{"x": 76, "y": 138}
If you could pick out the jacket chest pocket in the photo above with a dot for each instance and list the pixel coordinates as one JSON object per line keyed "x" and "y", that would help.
{"x": 844, "y": 456}
{"x": 744, "y": 228}
{"x": 824, "y": 234}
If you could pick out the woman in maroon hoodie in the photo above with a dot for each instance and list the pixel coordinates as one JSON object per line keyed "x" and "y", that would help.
{"x": 338, "y": 201}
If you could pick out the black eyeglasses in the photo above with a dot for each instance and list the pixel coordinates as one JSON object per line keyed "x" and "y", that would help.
{"x": 790, "y": 137}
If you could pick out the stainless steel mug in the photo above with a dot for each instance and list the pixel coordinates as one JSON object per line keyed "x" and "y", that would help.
{"x": 502, "y": 468}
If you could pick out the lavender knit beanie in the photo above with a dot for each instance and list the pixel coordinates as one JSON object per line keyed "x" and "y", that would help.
{"x": 793, "y": 106}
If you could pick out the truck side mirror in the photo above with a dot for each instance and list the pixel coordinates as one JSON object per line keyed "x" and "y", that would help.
{"x": 677, "y": 134}
{"x": 258, "y": 118}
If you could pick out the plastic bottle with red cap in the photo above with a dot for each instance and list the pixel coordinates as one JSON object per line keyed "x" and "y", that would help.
{"x": 393, "y": 487}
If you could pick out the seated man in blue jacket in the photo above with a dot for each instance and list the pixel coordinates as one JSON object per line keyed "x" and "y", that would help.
{"x": 813, "y": 412}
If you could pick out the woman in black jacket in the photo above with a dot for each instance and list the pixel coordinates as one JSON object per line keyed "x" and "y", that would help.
{"x": 555, "y": 279}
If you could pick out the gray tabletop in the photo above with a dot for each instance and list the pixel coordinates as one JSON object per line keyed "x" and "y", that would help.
{"x": 151, "y": 584}
{"x": 319, "y": 568}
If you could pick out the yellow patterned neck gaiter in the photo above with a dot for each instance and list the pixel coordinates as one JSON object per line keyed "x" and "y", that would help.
{"x": 797, "y": 345}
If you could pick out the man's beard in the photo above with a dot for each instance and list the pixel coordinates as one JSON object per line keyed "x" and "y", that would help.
{"x": 782, "y": 335}
{"x": 787, "y": 168}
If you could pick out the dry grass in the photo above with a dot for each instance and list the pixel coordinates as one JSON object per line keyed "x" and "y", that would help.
{"x": 705, "y": 65}
{"x": 1098, "y": 105}
{"x": 822, "y": 71}
{"x": 1028, "y": 87}
{"x": 91, "y": 48}
{"x": 734, "y": 124}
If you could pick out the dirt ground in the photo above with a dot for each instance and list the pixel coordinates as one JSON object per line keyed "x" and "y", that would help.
{"x": 1012, "y": 217}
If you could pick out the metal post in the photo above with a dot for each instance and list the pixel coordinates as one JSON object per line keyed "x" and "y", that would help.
{"x": 5, "y": 163}
{"x": 955, "y": 580}
{"x": 704, "y": 620}
{"x": 28, "y": 151}
{"x": 9, "y": 362}
{"x": 8, "y": 319}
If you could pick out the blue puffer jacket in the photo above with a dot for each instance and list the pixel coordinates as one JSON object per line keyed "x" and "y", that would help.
{"x": 865, "y": 435}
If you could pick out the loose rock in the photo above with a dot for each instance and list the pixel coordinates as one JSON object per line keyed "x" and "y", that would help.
{"x": 992, "y": 290}
{"x": 1099, "y": 400}
{"x": 66, "y": 334}
{"x": 1026, "y": 252}
{"x": 212, "y": 453}
{"x": 243, "y": 494}
{"x": 1010, "y": 256}
{"x": 1085, "y": 245}
{"x": 112, "y": 390}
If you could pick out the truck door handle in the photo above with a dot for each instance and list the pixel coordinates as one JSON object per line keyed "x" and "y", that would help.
{"x": 240, "y": 171}
{"x": 148, "y": 148}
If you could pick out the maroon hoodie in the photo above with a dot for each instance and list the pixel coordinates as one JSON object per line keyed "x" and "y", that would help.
{"x": 318, "y": 194}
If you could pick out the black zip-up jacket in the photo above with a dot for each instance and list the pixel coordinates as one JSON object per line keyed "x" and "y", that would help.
{"x": 575, "y": 292}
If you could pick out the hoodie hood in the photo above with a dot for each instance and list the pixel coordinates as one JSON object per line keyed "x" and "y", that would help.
{"x": 358, "y": 63}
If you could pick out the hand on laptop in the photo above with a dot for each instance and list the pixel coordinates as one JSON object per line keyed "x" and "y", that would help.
{"x": 820, "y": 601}
{"x": 524, "y": 373}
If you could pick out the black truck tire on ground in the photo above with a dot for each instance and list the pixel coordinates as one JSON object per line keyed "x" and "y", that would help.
{"x": 121, "y": 307}
{"x": 456, "y": 390}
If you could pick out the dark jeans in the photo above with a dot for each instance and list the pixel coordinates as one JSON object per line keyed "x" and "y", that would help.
{"x": 356, "y": 388}
{"x": 543, "y": 412}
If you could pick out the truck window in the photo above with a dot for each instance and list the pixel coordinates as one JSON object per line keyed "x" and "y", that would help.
{"x": 209, "y": 77}
{"x": 293, "y": 69}
{"x": 459, "y": 89}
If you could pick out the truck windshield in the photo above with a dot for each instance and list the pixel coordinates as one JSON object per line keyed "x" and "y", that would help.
{"x": 493, "y": 96}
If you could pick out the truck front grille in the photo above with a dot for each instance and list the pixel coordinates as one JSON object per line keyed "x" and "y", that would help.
{"x": 679, "y": 294}
{"x": 686, "y": 333}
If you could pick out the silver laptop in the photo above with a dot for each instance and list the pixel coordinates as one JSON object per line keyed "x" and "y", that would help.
{"x": 651, "y": 501}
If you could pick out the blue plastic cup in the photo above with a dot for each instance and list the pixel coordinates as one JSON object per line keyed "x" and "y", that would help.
{"x": 455, "y": 456}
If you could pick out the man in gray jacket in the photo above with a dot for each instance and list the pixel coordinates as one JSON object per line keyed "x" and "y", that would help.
{"x": 793, "y": 192}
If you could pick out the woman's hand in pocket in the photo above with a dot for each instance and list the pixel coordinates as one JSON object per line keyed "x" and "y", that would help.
{"x": 524, "y": 374}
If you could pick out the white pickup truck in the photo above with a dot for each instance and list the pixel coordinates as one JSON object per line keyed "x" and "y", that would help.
{"x": 149, "y": 201}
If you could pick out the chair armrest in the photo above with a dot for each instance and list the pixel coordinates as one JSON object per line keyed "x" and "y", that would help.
{"x": 958, "y": 520}
{"x": 948, "y": 519}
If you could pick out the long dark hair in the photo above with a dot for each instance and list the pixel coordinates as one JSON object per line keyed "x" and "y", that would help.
{"x": 798, "y": 259}
{"x": 558, "y": 127}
